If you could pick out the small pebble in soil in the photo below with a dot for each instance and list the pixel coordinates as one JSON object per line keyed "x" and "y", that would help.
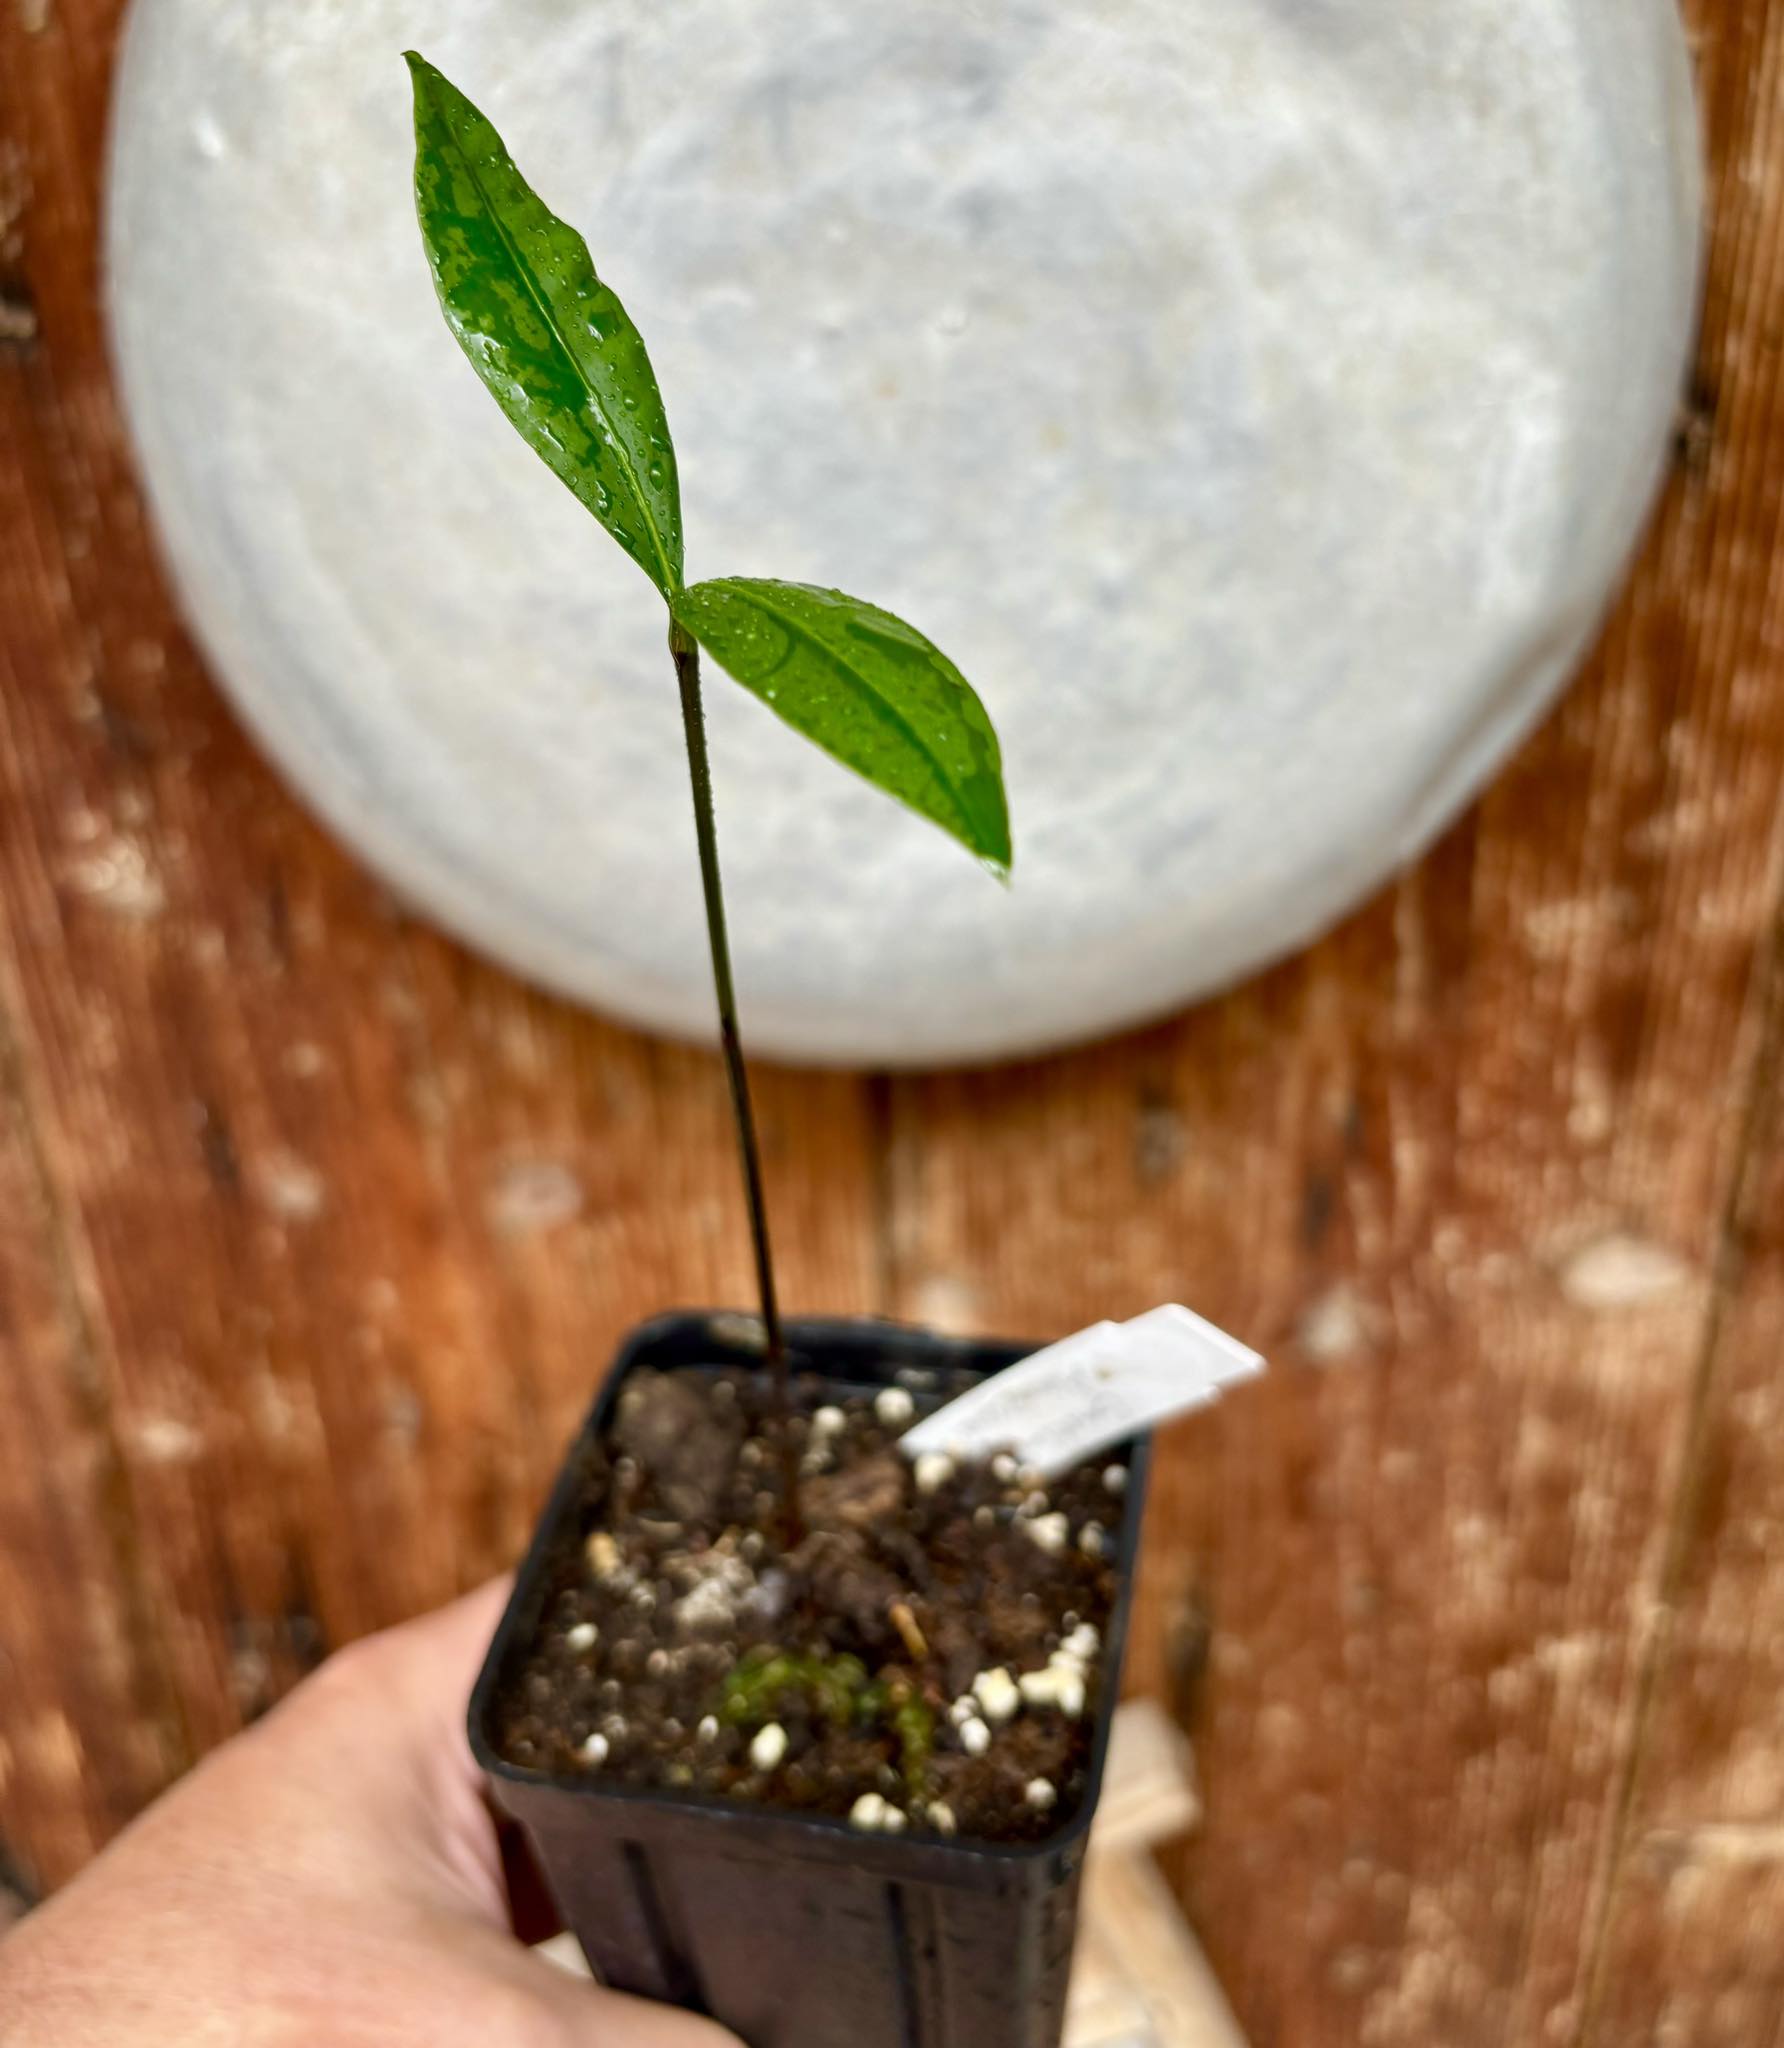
{"x": 1061, "y": 1685}
{"x": 769, "y": 1746}
{"x": 975, "y": 1737}
{"x": 710, "y": 1605}
{"x": 964, "y": 1709}
{"x": 767, "y": 1598}
{"x": 1091, "y": 1539}
{"x": 932, "y": 1471}
{"x": 1083, "y": 1643}
{"x": 604, "y": 1558}
{"x": 828, "y": 1421}
{"x": 996, "y": 1693}
{"x": 708, "y": 1730}
{"x": 940, "y": 1816}
{"x": 1115, "y": 1478}
{"x": 595, "y": 1749}
{"x": 1040, "y": 1793}
{"x": 582, "y": 1638}
{"x": 1051, "y": 1532}
{"x": 868, "y": 1813}
{"x": 893, "y": 1407}
{"x": 1004, "y": 1468}
{"x": 910, "y": 1634}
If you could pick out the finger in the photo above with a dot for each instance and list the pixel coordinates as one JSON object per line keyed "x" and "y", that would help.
{"x": 425, "y": 1669}
{"x": 416, "y": 1682}
{"x": 372, "y": 1751}
{"x": 404, "y": 1691}
{"x": 450, "y": 1643}
{"x": 361, "y": 1784}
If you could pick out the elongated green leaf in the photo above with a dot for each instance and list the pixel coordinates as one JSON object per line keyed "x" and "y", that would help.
{"x": 868, "y": 689}
{"x": 548, "y": 338}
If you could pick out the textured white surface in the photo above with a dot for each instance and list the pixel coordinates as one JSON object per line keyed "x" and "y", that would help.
{"x": 1257, "y": 398}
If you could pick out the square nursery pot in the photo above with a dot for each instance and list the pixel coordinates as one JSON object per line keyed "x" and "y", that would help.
{"x": 798, "y": 1931}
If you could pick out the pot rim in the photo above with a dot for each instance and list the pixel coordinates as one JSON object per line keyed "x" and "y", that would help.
{"x": 737, "y": 1338}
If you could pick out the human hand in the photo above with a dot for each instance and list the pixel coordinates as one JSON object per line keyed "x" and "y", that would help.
{"x": 330, "y": 1879}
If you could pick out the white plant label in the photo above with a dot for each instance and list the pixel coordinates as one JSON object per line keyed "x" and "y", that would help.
{"x": 1086, "y": 1392}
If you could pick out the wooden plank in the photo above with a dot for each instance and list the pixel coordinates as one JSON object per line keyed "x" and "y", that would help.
{"x": 1462, "y": 1171}
{"x": 1692, "y": 1951}
{"x": 359, "y": 1220}
{"x": 1696, "y": 1956}
{"x": 86, "y": 1736}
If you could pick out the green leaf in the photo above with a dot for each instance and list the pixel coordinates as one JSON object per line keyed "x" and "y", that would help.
{"x": 549, "y": 339}
{"x": 868, "y": 689}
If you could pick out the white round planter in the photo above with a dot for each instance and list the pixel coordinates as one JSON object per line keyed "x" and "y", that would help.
{"x": 1259, "y": 402}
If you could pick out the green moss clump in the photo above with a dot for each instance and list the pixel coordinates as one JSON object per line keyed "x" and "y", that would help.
{"x": 751, "y": 1694}
{"x": 839, "y": 1689}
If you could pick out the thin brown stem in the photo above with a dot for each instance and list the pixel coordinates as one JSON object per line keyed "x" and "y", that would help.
{"x": 693, "y": 721}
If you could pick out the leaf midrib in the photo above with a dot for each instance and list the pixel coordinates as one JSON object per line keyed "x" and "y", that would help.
{"x": 796, "y": 628}
{"x": 552, "y": 323}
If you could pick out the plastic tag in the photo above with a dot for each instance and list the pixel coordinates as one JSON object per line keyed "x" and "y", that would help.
{"x": 1089, "y": 1391}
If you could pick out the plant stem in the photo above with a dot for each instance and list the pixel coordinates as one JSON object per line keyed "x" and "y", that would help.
{"x": 686, "y": 654}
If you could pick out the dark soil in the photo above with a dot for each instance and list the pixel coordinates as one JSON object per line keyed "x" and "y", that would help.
{"x": 927, "y": 1656}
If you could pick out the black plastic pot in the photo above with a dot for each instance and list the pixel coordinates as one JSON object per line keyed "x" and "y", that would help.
{"x": 801, "y": 1932}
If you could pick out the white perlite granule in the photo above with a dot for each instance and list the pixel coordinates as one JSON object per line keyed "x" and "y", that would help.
{"x": 1255, "y": 399}
{"x": 769, "y": 1747}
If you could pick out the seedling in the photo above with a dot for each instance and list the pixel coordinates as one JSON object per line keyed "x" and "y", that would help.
{"x": 557, "y": 352}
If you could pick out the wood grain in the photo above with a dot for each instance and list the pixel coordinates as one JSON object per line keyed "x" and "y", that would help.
{"x": 1463, "y": 1169}
{"x": 340, "y": 1225}
{"x": 84, "y": 1739}
{"x": 315, "y": 1233}
{"x": 1691, "y": 1950}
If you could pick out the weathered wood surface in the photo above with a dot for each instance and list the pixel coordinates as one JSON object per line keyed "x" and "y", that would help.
{"x": 313, "y": 1234}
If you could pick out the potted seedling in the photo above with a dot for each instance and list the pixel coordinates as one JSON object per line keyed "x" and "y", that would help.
{"x": 807, "y": 1733}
